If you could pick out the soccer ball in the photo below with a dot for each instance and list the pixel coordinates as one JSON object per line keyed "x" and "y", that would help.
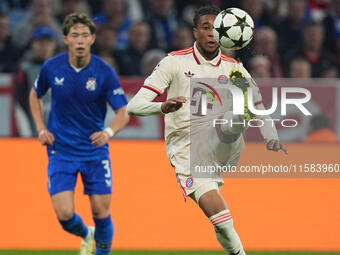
{"x": 233, "y": 28}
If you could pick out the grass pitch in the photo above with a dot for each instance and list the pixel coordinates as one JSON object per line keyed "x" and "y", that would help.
{"x": 61, "y": 252}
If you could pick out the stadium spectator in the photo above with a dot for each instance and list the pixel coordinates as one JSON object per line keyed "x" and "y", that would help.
{"x": 289, "y": 29}
{"x": 320, "y": 131}
{"x": 181, "y": 39}
{"x": 330, "y": 72}
{"x": 110, "y": 60}
{"x": 186, "y": 9}
{"x": 259, "y": 67}
{"x": 96, "y": 7}
{"x": 106, "y": 41}
{"x": 105, "y": 45}
{"x": 264, "y": 13}
{"x": 16, "y": 10}
{"x": 318, "y": 8}
{"x": 255, "y": 9}
{"x": 150, "y": 60}
{"x": 266, "y": 45}
{"x": 40, "y": 14}
{"x": 9, "y": 54}
{"x": 299, "y": 68}
{"x": 129, "y": 60}
{"x": 163, "y": 21}
{"x": 114, "y": 13}
{"x": 135, "y": 8}
{"x": 312, "y": 49}
{"x": 332, "y": 29}
{"x": 70, "y": 6}
{"x": 42, "y": 48}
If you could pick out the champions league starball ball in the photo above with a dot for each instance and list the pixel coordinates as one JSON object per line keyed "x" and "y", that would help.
{"x": 233, "y": 28}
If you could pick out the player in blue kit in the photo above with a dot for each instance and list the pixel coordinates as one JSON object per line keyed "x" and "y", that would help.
{"x": 76, "y": 139}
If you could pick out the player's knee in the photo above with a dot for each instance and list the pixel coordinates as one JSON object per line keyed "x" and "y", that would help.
{"x": 64, "y": 213}
{"x": 213, "y": 211}
{"x": 100, "y": 211}
{"x": 211, "y": 202}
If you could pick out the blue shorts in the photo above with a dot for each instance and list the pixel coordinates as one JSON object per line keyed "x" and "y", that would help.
{"x": 96, "y": 175}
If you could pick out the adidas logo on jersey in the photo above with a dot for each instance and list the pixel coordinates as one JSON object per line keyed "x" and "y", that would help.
{"x": 189, "y": 74}
{"x": 58, "y": 81}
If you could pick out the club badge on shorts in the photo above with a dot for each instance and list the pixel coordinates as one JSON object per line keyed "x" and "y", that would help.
{"x": 189, "y": 182}
{"x": 91, "y": 84}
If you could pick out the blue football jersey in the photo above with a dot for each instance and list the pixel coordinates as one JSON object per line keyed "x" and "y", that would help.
{"x": 79, "y": 101}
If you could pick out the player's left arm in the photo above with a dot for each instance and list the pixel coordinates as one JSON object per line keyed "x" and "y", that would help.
{"x": 40, "y": 87}
{"x": 117, "y": 100}
{"x": 121, "y": 120}
{"x": 268, "y": 129}
{"x": 269, "y": 132}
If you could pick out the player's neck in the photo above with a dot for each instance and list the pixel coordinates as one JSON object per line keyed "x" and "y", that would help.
{"x": 79, "y": 62}
{"x": 207, "y": 55}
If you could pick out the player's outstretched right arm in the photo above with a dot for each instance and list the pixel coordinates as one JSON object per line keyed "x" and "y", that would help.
{"x": 45, "y": 136}
{"x": 141, "y": 104}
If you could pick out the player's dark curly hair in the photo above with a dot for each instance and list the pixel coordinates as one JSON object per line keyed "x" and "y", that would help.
{"x": 75, "y": 18}
{"x": 204, "y": 10}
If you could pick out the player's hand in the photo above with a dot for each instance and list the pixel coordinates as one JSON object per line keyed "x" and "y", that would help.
{"x": 275, "y": 145}
{"x": 100, "y": 138}
{"x": 45, "y": 137}
{"x": 173, "y": 104}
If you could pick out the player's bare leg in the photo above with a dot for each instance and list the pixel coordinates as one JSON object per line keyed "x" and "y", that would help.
{"x": 100, "y": 205}
{"x": 215, "y": 208}
{"x": 63, "y": 204}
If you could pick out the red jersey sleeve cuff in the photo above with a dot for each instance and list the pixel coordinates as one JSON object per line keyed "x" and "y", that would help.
{"x": 154, "y": 90}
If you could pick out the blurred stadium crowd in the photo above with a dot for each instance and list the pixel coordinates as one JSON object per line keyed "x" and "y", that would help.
{"x": 293, "y": 38}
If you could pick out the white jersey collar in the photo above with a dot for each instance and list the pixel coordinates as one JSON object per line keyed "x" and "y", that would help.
{"x": 200, "y": 59}
{"x": 77, "y": 69}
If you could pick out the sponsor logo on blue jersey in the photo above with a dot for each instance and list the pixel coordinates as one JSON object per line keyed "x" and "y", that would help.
{"x": 118, "y": 91}
{"x": 58, "y": 81}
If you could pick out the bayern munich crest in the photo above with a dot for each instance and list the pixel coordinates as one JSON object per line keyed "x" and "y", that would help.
{"x": 189, "y": 182}
{"x": 91, "y": 84}
{"x": 222, "y": 79}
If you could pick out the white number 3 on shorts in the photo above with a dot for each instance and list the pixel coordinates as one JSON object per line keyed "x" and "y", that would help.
{"x": 106, "y": 166}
